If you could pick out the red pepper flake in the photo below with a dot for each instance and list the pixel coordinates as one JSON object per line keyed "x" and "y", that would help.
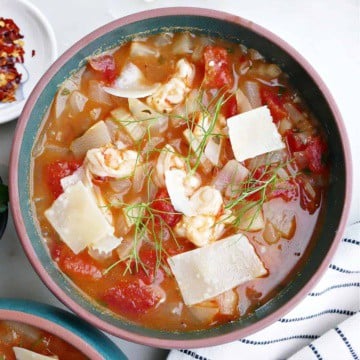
{"x": 11, "y": 52}
{"x": 33, "y": 53}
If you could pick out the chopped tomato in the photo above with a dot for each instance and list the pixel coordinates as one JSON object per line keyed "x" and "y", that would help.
{"x": 131, "y": 297}
{"x": 217, "y": 68}
{"x": 314, "y": 152}
{"x": 162, "y": 207}
{"x": 104, "y": 64}
{"x": 82, "y": 266}
{"x": 149, "y": 270}
{"x": 274, "y": 103}
{"x": 295, "y": 141}
{"x": 230, "y": 107}
{"x": 57, "y": 170}
{"x": 286, "y": 190}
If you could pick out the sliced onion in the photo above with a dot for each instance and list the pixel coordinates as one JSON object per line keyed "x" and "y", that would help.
{"x": 273, "y": 157}
{"x": 133, "y": 93}
{"x": 282, "y": 173}
{"x": 131, "y": 84}
{"x": 242, "y": 101}
{"x": 204, "y": 312}
{"x": 252, "y": 219}
{"x": 267, "y": 71}
{"x": 140, "y": 174}
{"x": 270, "y": 234}
{"x": 120, "y": 186}
{"x": 163, "y": 39}
{"x": 281, "y": 218}
{"x": 148, "y": 116}
{"x": 252, "y": 91}
{"x": 151, "y": 145}
{"x": 294, "y": 113}
{"x": 195, "y": 146}
{"x": 66, "y": 88}
{"x": 183, "y": 44}
{"x": 227, "y": 302}
{"x": 77, "y": 102}
{"x": 254, "y": 54}
{"x": 199, "y": 49}
{"x": 133, "y": 127}
{"x": 213, "y": 149}
{"x": 284, "y": 125}
{"x": 139, "y": 49}
{"x": 96, "y": 136}
{"x": 232, "y": 173}
{"x": 97, "y": 93}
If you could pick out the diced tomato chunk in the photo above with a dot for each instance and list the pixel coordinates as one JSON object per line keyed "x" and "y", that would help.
{"x": 57, "y": 170}
{"x": 149, "y": 270}
{"x": 286, "y": 190}
{"x": 315, "y": 152}
{"x": 82, "y": 266}
{"x": 132, "y": 297}
{"x": 295, "y": 141}
{"x": 163, "y": 208}
{"x": 104, "y": 64}
{"x": 230, "y": 107}
{"x": 274, "y": 103}
{"x": 217, "y": 68}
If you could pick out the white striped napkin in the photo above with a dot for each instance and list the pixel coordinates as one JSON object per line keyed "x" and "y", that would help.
{"x": 325, "y": 325}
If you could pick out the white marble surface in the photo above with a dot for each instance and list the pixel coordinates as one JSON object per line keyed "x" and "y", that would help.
{"x": 326, "y": 32}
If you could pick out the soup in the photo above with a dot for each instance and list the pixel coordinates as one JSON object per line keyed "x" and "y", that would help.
{"x": 22, "y": 341}
{"x": 178, "y": 180}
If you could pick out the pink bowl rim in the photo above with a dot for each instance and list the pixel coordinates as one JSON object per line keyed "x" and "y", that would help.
{"x": 19, "y": 224}
{"x": 51, "y": 327}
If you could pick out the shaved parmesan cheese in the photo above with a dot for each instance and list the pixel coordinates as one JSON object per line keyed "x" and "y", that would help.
{"x": 206, "y": 272}
{"x": 107, "y": 244}
{"x": 77, "y": 219}
{"x": 174, "y": 181}
{"x": 96, "y": 136}
{"x": 76, "y": 176}
{"x": 253, "y": 133}
{"x": 24, "y": 354}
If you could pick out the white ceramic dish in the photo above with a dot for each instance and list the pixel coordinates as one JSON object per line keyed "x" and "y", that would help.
{"x": 38, "y": 36}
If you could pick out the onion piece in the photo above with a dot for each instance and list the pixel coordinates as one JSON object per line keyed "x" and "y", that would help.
{"x": 140, "y": 174}
{"x": 213, "y": 149}
{"x": 139, "y": 49}
{"x": 96, "y": 136}
{"x": 283, "y": 219}
{"x": 252, "y": 92}
{"x": 65, "y": 90}
{"x": 270, "y": 234}
{"x": 205, "y": 311}
{"x": 131, "y": 84}
{"x": 163, "y": 39}
{"x": 227, "y": 302}
{"x": 132, "y": 127}
{"x": 252, "y": 219}
{"x": 242, "y": 101}
{"x": 183, "y": 44}
{"x": 77, "y": 102}
{"x": 97, "y": 93}
{"x": 195, "y": 146}
{"x": 120, "y": 186}
{"x": 232, "y": 173}
{"x": 284, "y": 125}
{"x": 148, "y": 116}
{"x": 294, "y": 113}
{"x": 273, "y": 157}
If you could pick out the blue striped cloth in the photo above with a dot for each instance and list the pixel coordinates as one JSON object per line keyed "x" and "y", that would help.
{"x": 325, "y": 325}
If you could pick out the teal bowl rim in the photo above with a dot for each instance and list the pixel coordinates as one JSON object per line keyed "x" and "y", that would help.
{"x": 29, "y": 123}
{"x": 75, "y": 331}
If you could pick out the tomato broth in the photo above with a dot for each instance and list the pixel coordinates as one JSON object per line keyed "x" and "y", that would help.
{"x": 164, "y": 112}
{"x": 17, "y": 335}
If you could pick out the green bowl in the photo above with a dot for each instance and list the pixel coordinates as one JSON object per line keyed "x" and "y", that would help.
{"x": 199, "y": 21}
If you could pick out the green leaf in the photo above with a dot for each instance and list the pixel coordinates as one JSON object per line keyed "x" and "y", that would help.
{"x": 4, "y": 197}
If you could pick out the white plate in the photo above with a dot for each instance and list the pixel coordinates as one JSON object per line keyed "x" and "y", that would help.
{"x": 38, "y": 36}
